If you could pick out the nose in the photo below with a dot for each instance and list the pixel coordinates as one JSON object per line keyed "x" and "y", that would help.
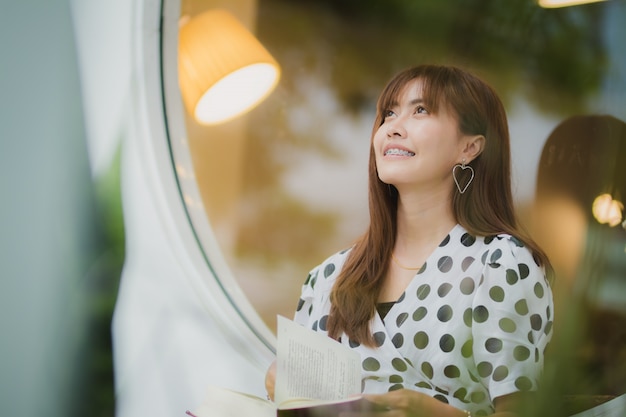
{"x": 395, "y": 128}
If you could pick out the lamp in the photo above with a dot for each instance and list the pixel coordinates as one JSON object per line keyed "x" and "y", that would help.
{"x": 551, "y": 4}
{"x": 606, "y": 210}
{"x": 223, "y": 69}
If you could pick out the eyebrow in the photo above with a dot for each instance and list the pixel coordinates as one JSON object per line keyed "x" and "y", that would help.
{"x": 412, "y": 102}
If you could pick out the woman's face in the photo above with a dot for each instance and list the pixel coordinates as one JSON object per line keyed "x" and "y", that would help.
{"x": 415, "y": 148}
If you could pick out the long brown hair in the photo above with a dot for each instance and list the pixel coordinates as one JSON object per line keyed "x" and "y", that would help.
{"x": 486, "y": 210}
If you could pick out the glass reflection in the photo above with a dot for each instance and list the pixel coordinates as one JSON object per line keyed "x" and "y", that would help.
{"x": 285, "y": 185}
{"x": 585, "y": 157}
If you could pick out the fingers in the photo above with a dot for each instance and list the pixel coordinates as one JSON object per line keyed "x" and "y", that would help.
{"x": 270, "y": 380}
{"x": 386, "y": 413}
{"x": 383, "y": 402}
{"x": 399, "y": 403}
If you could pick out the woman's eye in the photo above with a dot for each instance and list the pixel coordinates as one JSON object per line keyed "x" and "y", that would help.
{"x": 389, "y": 113}
{"x": 421, "y": 110}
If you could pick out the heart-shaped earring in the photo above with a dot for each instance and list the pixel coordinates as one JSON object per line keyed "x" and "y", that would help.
{"x": 462, "y": 167}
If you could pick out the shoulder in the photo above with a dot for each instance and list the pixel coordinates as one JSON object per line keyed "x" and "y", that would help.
{"x": 493, "y": 250}
{"x": 504, "y": 248}
{"x": 314, "y": 300}
{"x": 325, "y": 274}
{"x": 508, "y": 262}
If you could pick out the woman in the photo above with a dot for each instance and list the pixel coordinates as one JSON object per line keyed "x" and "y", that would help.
{"x": 444, "y": 297}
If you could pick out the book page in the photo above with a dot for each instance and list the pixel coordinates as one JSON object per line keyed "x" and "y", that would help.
{"x": 223, "y": 402}
{"x": 312, "y": 365}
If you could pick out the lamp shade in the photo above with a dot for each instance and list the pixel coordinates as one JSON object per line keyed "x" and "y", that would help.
{"x": 223, "y": 70}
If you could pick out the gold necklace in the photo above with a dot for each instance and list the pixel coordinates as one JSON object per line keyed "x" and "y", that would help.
{"x": 408, "y": 268}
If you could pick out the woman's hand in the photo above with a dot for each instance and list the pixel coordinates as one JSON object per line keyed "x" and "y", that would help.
{"x": 403, "y": 403}
{"x": 270, "y": 380}
{"x": 408, "y": 403}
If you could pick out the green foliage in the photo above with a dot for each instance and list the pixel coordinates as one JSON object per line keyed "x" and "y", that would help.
{"x": 96, "y": 396}
{"x": 556, "y": 56}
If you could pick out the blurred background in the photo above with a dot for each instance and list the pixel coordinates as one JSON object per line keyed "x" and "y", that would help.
{"x": 285, "y": 185}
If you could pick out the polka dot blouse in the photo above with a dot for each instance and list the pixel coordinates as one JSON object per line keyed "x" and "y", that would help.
{"x": 471, "y": 326}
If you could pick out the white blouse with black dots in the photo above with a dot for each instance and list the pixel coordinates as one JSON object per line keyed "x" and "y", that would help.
{"x": 472, "y": 325}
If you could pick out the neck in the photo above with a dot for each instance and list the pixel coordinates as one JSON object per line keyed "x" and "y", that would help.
{"x": 421, "y": 220}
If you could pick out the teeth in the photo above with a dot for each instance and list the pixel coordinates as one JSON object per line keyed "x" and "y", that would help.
{"x": 395, "y": 151}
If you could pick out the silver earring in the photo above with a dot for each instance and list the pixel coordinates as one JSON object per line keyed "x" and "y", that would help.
{"x": 462, "y": 167}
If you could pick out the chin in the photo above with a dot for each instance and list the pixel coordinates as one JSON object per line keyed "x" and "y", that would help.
{"x": 392, "y": 178}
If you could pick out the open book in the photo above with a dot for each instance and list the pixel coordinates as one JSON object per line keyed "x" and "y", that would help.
{"x": 223, "y": 402}
{"x": 315, "y": 377}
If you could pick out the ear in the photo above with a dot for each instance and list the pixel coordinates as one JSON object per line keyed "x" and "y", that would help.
{"x": 474, "y": 145}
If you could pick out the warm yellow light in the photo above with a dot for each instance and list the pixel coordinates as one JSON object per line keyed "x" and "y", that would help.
{"x": 607, "y": 211}
{"x": 551, "y": 4}
{"x": 223, "y": 69}
{"x": 235, "y": 93}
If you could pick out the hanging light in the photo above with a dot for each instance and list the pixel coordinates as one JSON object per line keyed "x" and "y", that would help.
{"x": 551, "y": 4}
{"x": 606, "y": 210}
{"x": 224, "y": 71}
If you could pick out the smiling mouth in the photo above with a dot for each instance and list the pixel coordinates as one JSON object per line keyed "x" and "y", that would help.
{"x": 399, "y": 152}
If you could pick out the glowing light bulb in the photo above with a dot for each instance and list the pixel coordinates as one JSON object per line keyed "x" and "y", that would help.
{"x": 606, "y": 210}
